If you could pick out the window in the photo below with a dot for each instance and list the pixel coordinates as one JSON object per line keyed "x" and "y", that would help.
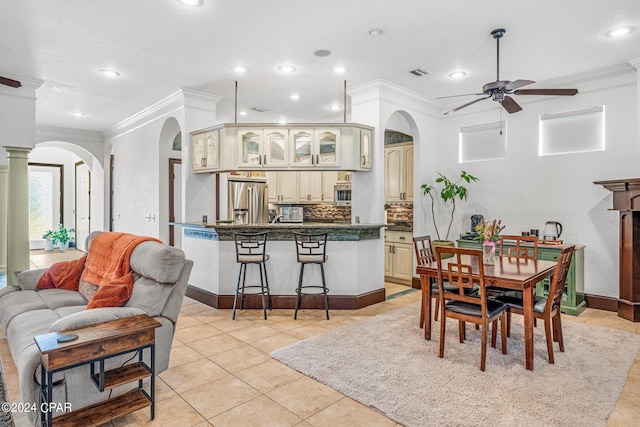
{"x": 572, "y": 132}
{"x": 483, "y": 142}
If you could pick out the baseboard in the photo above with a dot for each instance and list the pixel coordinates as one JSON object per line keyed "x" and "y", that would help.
{"x": 602, "y": 303}
{"x": 336, "y": 302}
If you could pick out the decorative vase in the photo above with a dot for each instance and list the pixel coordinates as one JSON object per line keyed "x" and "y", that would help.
{"x": 64, "y": 246}
{"x": 48, "y": 244}
{"x": 488, "y": 252}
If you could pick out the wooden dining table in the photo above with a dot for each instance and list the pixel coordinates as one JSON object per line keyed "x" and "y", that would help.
{"x": 506, "y": 272}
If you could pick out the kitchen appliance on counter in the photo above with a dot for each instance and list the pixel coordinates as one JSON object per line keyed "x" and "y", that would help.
{"x": 476, "y": 220}
{"x": 552, "y": 230}
{"x": 248, "y": 200}
{"x": 291, "y": 214}
{"x": 342, "y": 194}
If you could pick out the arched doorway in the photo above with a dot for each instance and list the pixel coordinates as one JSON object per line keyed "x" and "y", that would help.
{"x": 170, "y": 163}
{"x": 80, "y": 185}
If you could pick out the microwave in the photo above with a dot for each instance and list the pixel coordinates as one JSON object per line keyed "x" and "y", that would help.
{"x": 342, "y": 194}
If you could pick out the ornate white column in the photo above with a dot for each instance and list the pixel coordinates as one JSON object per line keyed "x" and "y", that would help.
{"x": 18, "y": 212}
{"x": 3, "y": 216}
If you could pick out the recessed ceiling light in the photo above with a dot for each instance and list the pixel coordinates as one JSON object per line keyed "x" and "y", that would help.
{"x": 282, "y": 121}
{"x": 295, "y": 96}
{"x": 339, "y": 69}
{"x": 243, "y": 113}
{"x": 240, "y": 69}
{"x": 322, "y": 53}
{"x": 286, "y": 68}
{"x": 109, "y": 73}
{"x": 457, "y": 74}
{"x": 335, "y": 107}
{"x": 192, "y": 3}
{"x": 78, "y": 114}
{"x": 619, "y": 31}
{"x": 375, "y": 32}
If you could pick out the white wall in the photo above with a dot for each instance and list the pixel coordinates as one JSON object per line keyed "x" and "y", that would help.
{"x": 525, "y": 190}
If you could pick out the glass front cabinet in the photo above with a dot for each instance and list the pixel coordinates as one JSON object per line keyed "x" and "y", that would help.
{"x": 206, "y": 151}
{"x": 232, "y": 146}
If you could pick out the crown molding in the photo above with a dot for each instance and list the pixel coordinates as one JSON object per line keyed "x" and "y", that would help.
{"x": 386, "y": 91}
{"x": 27, "y": 90}
{"x": 635, "y": 62}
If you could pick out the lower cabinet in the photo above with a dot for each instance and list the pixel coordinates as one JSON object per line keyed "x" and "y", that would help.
{"x": 573, "y": 301}
{"x": 398, "y": 257}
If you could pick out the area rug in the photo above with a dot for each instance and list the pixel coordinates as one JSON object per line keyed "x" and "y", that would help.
{"x": 6, "y": 419}
{"x": 385, "y": 363}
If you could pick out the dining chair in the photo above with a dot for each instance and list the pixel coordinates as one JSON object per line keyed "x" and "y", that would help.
{"x": 546, "y": 308}
{"x": 477, "y": 308}
{"x": 424, "y": 255}
{"x": 520, "y": 250}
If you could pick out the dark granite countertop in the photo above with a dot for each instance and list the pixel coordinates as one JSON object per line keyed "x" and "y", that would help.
{"x": 284, "y": 231}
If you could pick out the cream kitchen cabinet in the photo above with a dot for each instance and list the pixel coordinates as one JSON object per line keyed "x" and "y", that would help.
{"x": 315, "y": 148}
{"x": 263, "y": 148}
{"x": 316, "y": 186}
{"x": 282, "y": 187}
{"x": 398, "y": 257}
{"x": 398, "y": 173}
{"x": 206, "y": 151}
{"x": 294, "y": 147}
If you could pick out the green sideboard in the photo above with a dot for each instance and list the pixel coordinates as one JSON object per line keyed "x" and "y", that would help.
{"x": 573, "y": 301}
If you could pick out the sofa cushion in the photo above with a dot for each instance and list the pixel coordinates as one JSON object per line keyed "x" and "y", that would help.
{"x": 56, "y": 298}
{"x": 156, "y": 261}
{"x": 87, "y": 289}
{"x": 149, "y": 296}
{"x": 15, "y": 303}
{"x": 24, "y": 327}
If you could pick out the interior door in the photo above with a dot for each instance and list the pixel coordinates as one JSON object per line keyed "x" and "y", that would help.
{"x": 82, "y": 204}
{"x": 175, "y": 201}
{"x": 45, "y": 201}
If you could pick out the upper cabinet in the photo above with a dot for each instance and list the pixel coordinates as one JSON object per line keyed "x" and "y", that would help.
{"x": 398, "y": 173}
{"x": 296, "y": 147}
{"x": 317, "y": 148}
{"x": 206, "y": 151}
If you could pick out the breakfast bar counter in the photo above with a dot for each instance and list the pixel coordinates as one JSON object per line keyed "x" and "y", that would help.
{"x": 354, "y": 269}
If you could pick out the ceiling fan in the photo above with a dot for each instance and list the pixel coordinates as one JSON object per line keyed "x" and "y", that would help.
{"x": 501, "y": 89}
{"x": 9, "y": 82}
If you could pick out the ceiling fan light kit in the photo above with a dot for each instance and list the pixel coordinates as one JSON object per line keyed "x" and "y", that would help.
{"x": 500, "y": 90}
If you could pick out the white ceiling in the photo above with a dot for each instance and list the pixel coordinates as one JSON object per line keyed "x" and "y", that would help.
{"x": 160, "y": 46}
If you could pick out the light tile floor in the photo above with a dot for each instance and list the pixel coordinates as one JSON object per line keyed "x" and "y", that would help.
{"x": 221, "y": 374}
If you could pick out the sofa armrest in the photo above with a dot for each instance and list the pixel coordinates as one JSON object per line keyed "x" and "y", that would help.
{"x": 28, "y": 279}
{"x": 91, "y": 317}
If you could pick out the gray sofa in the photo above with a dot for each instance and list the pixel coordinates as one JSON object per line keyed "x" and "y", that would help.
{"x": 161, "y": 273}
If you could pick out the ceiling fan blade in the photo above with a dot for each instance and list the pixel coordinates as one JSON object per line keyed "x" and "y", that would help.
{"x": 510, "y": 105}
{"x": 518, "y": 83}
{"x": 465, "y": 105}
{"x": 561, "y": 92}
{"x": 455, "y": 96}
{"x": 10, "y": 82}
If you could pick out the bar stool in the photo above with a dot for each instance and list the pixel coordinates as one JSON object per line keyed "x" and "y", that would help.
{"x": 250, "y": 249}
{"x": 311, "y": 249}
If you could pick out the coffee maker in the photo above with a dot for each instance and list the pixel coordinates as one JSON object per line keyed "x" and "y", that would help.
{"x": 476, "y": 220}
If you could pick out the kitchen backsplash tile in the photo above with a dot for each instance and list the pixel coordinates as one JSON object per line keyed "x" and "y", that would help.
{"x": 399, "y": 213}
{"x": 326, "y": 212}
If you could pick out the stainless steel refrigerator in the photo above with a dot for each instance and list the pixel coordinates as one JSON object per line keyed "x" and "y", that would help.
{"x": 248, "y": 201}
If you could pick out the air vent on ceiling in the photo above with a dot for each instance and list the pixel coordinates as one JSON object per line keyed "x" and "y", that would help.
{"x": 259, "y": 109}
{"x": 419, "y": 72}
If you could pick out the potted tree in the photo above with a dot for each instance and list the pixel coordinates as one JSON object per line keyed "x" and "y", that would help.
{"x": 450, "y": 192}
{"x": 48, "y": 240}
{"x": 63, "y": 237}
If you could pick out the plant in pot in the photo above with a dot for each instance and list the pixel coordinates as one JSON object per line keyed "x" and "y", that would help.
{"x": 48, "y": 240}
{"x": 449, "y": 192}
{"x": 63, "y": 237}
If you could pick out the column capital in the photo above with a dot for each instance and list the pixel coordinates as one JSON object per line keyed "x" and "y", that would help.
{"x": 17, "y": 152}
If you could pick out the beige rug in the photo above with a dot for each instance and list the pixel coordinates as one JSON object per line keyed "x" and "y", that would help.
{"x": 384, "y": 362}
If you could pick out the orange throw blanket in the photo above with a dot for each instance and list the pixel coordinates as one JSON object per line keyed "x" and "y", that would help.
{"x": 108, "y": 266}
{"x": 62, "y": 275}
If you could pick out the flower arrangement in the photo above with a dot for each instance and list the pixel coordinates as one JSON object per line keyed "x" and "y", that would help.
{"x": 489, "y": 231}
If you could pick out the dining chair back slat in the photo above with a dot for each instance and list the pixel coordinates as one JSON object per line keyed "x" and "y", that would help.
{"x": 528, "y": 251}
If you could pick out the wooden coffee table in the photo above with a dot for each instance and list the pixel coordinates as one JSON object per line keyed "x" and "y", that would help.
{"x": 94, "y": 345}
